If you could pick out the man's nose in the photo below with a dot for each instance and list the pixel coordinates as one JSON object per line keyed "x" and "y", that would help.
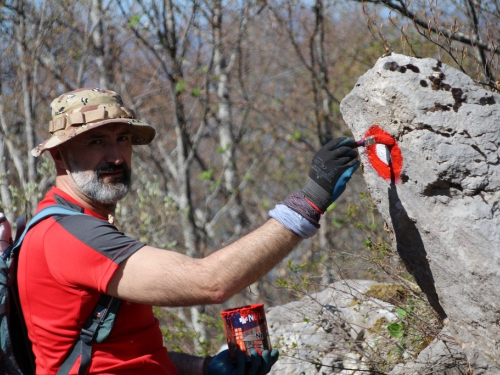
{"x": 114, "y": 154}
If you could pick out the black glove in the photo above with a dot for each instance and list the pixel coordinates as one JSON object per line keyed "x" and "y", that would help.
{"x": 331, "y": 169}
{"x": 223, "y": 364}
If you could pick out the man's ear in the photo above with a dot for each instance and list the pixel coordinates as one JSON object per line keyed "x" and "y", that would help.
{"x": 58, "y": 159}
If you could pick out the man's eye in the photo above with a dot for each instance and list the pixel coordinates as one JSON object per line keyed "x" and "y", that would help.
{"x": 96, "y": 142}
{"x": 124, "y": 138}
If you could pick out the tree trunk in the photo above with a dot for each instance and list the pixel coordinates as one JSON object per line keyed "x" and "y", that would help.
{"x": 191, "y": 238}
{"x": 20, "y": 36}
{"x": 224, "y": 114}
{"x": 97, "y": 38}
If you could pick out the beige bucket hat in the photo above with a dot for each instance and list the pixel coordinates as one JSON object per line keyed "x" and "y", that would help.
{"x": 84, "y": 109}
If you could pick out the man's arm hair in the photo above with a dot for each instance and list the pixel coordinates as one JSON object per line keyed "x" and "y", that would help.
{"x": 167, "y": 278}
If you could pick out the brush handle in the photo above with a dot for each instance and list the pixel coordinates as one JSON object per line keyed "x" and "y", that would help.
{"x": 368, "y": 141}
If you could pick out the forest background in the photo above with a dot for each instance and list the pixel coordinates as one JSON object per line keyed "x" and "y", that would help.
{"x": 241, "y": 93}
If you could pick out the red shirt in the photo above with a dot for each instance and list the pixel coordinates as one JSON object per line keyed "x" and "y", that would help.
{"x": 65, "y": 264}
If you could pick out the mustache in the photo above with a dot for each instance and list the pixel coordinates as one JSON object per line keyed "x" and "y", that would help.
{"x": 111, "y": 168}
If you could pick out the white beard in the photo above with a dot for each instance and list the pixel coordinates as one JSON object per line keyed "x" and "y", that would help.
{"x": 91, "y": 184}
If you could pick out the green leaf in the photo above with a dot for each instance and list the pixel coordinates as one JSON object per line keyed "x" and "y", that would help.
{"x": 215, "y": 185}
{"x": 396, "y": 330}
{"x": 221, "y": 150}
{"x": 297, "y": 135}
{"x": 134, "y": 20}
{"x": 282, "y": 283}
{"x": 368, "y": 244}
{"x": 331, "y": 207}
{"x": 265, "y": 204}
{"x": 179, "y": 87}
{"x": 196, "y": 92}
{"x": 206, "y": 175}
{"x": 295, "y": 268}
{"x": 401, "y": 313}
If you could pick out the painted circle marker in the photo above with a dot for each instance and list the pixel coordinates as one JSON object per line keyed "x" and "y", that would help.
{"x": 385, "y": 155}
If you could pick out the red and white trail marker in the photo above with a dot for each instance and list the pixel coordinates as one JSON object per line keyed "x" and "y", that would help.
{"x": 385, "y": 155}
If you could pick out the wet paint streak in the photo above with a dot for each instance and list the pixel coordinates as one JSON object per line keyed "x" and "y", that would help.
{"x": 389, "y": 168}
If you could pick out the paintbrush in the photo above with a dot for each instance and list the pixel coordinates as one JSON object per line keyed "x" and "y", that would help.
{"x": 376, "y": 138}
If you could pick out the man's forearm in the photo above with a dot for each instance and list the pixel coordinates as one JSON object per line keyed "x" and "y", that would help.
{"x": 187, "y": 364}
{"x": 251, "y": 257}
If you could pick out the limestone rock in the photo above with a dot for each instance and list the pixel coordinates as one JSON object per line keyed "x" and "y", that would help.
{"x": 326, "y": 333}
{"x": 443, "y": 356}
{"x": 343, "y": 330}
{"x": 444, "y": 211}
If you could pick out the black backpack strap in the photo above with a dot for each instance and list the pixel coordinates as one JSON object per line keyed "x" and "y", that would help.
{"x": 83, "y": 345}
{"x": 20, "y": 225}
{"x": 21, "y": 345}
{"x": 20, "y": 342}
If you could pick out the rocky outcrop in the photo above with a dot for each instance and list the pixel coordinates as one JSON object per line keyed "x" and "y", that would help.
{"x": 443, "y": 211}
{"x": 344, "y": 330}
{"x": 322, "y": 333}
{"x": 443, "y": 356}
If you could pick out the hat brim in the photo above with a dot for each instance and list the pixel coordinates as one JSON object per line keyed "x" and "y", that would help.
{"x": 142, "y": 133}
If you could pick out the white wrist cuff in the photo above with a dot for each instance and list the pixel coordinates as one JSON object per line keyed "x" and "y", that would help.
{"x": 291, "y": 220}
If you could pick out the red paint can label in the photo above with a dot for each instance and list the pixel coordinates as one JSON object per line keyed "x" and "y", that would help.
{"x": 246, "y": 329}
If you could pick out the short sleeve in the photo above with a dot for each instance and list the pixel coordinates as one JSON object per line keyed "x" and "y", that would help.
{"x": 84, "y": 252}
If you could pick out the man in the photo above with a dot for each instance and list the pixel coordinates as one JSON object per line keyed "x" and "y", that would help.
{"x": 67, "y": 262}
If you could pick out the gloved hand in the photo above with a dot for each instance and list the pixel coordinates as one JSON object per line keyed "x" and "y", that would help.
{"x": 331, "y": 169}
{"x": 222, "y": 363}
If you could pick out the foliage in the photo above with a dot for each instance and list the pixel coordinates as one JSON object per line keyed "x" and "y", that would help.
{"x": 417, "y": 324}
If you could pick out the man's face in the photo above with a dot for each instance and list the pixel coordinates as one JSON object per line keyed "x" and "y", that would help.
{"x": 99, "y": 162}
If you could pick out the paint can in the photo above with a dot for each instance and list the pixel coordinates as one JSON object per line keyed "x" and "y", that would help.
{"x": 246, "y": 329}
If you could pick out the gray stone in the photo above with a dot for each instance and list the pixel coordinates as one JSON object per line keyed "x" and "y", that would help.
{"x": 443, "y": 356}
{"x": 328, "y": 332}
{"x": 444, "y": 213}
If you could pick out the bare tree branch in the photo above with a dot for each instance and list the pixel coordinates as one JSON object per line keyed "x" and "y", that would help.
{"x": 402, "y": 7}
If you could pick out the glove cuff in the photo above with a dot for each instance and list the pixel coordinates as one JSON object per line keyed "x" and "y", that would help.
{"x": 297, "y": 214}
{"x": 304, "y": 207}
{"x": 314, "y": 206}
{"x": 316, "y": 194}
